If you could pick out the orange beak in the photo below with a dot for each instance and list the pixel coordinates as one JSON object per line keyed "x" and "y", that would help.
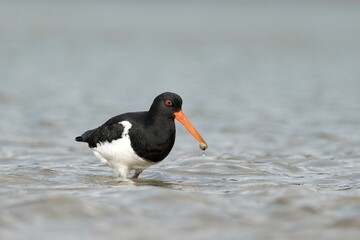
{"x": 180, "y": 116}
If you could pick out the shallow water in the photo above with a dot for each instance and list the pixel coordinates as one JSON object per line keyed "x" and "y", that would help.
{"x": 274, "y": 90}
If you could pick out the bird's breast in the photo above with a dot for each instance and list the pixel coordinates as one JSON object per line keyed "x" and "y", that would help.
{"x": 154, "y": 144}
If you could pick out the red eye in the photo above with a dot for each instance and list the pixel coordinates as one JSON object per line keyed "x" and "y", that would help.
{"x": 168, "y": 102}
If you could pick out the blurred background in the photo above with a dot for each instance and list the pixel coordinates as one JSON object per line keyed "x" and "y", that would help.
{"x": 273, "y": 87}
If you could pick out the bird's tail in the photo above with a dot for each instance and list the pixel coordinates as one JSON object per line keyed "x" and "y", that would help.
{"x": 84, "y": 137}
{"x": 79, "y": 139}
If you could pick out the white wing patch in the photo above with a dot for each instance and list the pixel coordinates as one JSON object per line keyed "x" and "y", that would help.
{"x": 119, "y": 154}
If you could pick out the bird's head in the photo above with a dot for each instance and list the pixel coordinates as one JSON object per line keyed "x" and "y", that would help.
{"x": 169, "y": 105}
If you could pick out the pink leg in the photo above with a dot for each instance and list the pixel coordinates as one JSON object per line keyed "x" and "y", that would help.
{"x": 136, "y": 175}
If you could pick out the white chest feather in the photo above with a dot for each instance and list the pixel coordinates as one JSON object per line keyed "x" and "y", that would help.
{"x": 119, "y": 154}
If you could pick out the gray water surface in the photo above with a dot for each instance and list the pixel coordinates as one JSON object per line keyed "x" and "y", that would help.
{"x": 273, "y": 88}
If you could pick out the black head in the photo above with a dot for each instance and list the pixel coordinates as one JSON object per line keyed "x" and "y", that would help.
{"x": 166, "y": 104}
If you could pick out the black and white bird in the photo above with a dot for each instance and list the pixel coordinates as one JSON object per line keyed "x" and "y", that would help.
{"x": 138, "y": 140}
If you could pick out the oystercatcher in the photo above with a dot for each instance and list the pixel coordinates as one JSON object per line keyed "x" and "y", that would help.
{"x": 137, "y": 140}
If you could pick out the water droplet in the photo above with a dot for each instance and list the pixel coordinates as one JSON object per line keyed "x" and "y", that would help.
{"x": 203, "y": 154}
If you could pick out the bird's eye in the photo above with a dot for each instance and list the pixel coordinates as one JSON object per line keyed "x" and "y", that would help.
{"x": 168, "y": 102}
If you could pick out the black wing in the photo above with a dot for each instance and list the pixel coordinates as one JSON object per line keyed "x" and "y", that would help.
{"x": 109, "y": 131}
{"x": 101, "y": 134}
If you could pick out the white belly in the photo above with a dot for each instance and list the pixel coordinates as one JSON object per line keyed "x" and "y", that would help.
{"x": 119, "y": 154}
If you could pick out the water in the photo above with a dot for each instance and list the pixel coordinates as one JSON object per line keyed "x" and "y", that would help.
{"x": 273, "y": 88}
